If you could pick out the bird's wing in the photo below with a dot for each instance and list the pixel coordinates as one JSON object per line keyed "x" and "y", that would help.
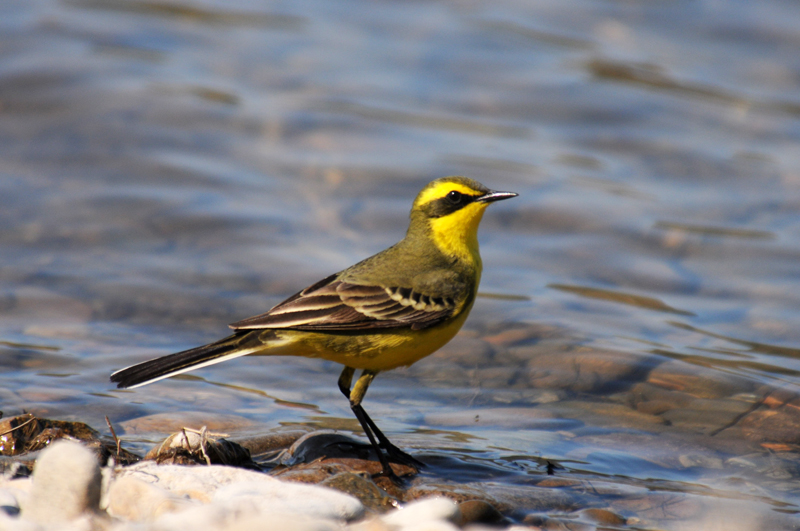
{"x": 334, "y": 305}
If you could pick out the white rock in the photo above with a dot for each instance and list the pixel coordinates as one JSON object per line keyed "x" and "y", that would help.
{"x": 427, "y": 511}
{"x": 10, "y": 523}
{"x": 66, "y": 484}
{"x": 9, "y": 499}
{"x": 218, "y": 518}
{"x": 197, "y": 482}
{"x": 133, "y": 499}
{"x": 267, "y": 497}
{"x": 233, "y": 494}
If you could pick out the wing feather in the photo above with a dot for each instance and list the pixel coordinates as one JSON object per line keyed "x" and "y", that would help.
{"x": 333, "y": 305}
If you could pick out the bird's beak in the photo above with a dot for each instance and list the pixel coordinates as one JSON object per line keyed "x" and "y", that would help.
{"x": 491, "y": 196}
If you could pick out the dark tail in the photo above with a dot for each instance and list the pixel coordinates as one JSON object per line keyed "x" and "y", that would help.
{"x": 239, "y": 344}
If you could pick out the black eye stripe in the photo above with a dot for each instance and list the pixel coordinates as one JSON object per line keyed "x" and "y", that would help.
{"x": 447, "y": 205}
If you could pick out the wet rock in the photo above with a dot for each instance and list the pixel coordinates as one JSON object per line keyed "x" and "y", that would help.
{"x": 191, "y": 448}
{"x": 362, "y": 488}
{"x": 464, "y": 351}
{"x": 66, "y": 484}
{"x": 697, "y": 381}
{"x": 325, "y": 444}
{"x": 654, "y": 399}
{"x": 603, "y": 516}
{"x": 269, "y": 443}
{"x": 314, "y": 472}
{"x": 458, "y": 493}
{"x": 779, "y": 425}
{"x": 176, "y": 421}
{"x": 522, "y": 334}
{"x": 585, "y": 369}
{"x": 479, "y": 512}
{"x": 324, "y": 454}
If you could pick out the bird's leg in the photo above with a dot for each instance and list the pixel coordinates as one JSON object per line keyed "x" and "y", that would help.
{"x": 356, "y": 396}
{"x": 345, "y": 379}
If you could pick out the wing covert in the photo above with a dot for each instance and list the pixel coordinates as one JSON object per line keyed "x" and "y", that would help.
{"x": 333, "y": 305}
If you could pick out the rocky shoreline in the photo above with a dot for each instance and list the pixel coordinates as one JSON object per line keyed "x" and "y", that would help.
{"x": 70, "y": 490}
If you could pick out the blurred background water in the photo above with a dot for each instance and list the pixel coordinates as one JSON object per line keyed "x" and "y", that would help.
{"x": 170, "y": 166}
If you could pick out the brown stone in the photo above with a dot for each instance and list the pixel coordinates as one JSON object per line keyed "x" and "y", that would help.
{"x": 363, "y": 488}
{"x": 603, "y": 516}
{"x": 698, "y": 381}
{"x": 771, "y": 426}
{"x": 458, "y": 493}
{"x": 175, "y": 421}
{"x": 586, "y": 369}
{"x": 478, "y": 512}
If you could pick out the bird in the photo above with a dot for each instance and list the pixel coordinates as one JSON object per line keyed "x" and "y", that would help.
{"x": 389, "y": 310}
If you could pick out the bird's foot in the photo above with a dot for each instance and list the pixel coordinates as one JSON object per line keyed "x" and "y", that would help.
{"x": 399, "y": 456}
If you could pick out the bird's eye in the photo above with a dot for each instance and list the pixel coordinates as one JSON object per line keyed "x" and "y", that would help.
{"x": 454, "y": 197}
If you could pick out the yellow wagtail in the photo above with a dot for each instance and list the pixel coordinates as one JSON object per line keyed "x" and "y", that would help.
{"x": 390, "y": 310}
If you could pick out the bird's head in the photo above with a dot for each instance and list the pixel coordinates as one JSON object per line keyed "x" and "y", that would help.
{"x": 450, "y": 210}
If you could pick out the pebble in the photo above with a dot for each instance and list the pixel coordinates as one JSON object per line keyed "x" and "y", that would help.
{"x": 66, "y": 484}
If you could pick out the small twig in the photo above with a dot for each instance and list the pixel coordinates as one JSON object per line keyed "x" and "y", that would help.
{"x": 203, "y": 441}
{"x": 186, "y": 440}
{"x": 114, "y": 434}
{"x": 210, "y": 433}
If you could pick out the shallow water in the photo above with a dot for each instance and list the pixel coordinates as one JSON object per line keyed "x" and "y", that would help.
{"x": 170, "y": 167}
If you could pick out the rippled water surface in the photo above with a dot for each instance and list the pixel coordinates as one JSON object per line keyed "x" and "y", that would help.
{"x": 168, "y": 167}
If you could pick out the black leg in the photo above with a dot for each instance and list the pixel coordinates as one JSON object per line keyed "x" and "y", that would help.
{"x": 361, "y": 415}
{"x": 392, "y": 451}
{"x": 368, "y": 425}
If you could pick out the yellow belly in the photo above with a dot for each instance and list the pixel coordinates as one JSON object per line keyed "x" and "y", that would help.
{"x": 378, "y": 351}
